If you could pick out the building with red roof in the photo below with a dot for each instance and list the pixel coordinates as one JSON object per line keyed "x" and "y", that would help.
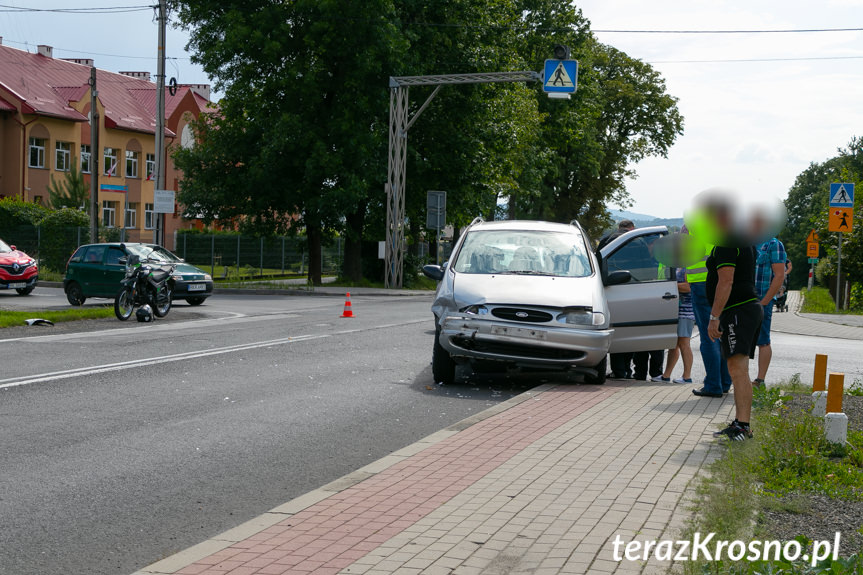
{"x": 44, "y": 127}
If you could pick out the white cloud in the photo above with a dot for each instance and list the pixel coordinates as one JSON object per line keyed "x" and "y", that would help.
{"x": 753, "y": 126}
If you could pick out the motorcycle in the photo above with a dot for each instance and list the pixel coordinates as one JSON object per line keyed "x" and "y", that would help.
{"x": 144, "y": 286}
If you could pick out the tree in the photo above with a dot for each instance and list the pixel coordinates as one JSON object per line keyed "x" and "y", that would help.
{"x": 302, "y": 127}
{"x": 623, "y": 116}
{"x": 72, "y": 191}
{"x": 301, "y": 134}
{"x": 807, "y": 206}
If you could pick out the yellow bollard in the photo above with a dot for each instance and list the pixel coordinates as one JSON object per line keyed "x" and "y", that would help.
{"x": 834, "y": 392}
{"x": 819, "y": 380}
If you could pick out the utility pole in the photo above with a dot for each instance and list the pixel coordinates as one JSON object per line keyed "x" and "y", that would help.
{"x": 94, "y": 159}
{"x": 160, "y": 120}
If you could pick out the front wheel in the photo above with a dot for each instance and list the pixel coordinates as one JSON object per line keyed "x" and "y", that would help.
{"x": 124, "y": 304}
{"x": 601, "y": 374}
{"x": 74, "y": 294}
{"x": 443, "y": 367}
{"x": 26, "y": 290}
{"x": 195, "y": 300}
{"x": 161, "y": 301}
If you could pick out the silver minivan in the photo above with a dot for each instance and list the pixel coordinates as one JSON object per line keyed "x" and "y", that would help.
{"x": 528, "y": 294}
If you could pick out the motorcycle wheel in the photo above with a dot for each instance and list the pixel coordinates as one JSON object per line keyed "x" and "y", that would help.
{"x": 161, "y": 302}
{"x": 124, "y": 304}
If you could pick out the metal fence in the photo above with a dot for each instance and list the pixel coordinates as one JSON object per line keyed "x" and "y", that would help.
{"x": 224, "y": 255}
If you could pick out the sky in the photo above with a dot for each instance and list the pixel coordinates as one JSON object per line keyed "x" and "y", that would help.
{"x": 758, "y": 108}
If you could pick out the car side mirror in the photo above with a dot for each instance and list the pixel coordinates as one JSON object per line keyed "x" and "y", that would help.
{"x": 433, "y": 272}
{"x": 13, "y": 248}
{"x": 617, "y": 277}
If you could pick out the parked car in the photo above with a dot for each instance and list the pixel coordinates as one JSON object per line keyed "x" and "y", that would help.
{"x": 18, "y": 271}
{"x": 95, "y": 270}
{"x": 531, "y": 294}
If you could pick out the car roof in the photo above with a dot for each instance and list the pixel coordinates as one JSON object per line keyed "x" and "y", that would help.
{"x": 118, "y": 244}
{"x": 526, "y": 225}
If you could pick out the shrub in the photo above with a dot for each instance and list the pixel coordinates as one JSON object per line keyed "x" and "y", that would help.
{"x": 59, "y": 237}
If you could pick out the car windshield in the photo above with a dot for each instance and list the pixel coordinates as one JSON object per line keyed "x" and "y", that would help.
{"x": 4, "y": 248}
{"x": 523, "y": 252}
{"x": 153, "y": 253}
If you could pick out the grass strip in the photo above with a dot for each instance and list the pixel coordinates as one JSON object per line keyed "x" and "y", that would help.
{"x": 819, "y": 300}
{"x": 16, "y": 318}
{"x": 788, "y": 456}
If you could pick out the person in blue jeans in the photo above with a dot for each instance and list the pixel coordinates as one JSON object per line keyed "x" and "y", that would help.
{"x": 717, "y": 380}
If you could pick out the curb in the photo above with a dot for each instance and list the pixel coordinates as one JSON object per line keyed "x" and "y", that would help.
{"x": 184, "y": 558}
{"x": 325, "y": 291}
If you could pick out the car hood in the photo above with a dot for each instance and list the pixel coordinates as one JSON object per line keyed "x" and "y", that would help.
{"x": 15, "y": 257}
{"x": 188, "y": 270}
{"x": 544, "y": 291}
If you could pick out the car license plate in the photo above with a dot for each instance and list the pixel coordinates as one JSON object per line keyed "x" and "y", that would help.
{"x": 17, "y": 286}
{"x": 197, "y": 287}
{"x": 518, "y": 332}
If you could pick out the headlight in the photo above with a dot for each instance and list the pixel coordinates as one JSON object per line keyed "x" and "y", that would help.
{"x": 475, "y": 310}
{"x": 208, "y": 278}
{"x": 177, "y": 277}
{"x": 581, "y": 317}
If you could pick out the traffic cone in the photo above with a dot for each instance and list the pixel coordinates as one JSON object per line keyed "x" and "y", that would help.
{"x": 348, "y": 312}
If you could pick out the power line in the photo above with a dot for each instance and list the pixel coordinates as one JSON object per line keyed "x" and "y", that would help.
{"x": 802, "y": 59}
{"x": 93, "y": 10}
{"x": 778, "y": 31}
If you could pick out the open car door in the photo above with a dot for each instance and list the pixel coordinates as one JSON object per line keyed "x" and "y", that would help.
{"x": 644, "y": 309}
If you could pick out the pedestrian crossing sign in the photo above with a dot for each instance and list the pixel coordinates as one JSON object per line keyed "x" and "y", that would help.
{"x": 561, "y": 76}
{"x": 842, "y": 195}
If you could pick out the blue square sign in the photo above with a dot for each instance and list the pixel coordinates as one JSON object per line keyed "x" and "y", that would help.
{"x": 842, "y": 195}
{"x": 560, "y": 76}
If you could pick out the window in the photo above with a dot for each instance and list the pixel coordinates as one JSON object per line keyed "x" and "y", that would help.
{"x": 524, "y": 252}
{"x": 131, "y": 164}
{"x": 94, "y": 254}
{"x": 63, "y": 156}
{"x": 108, "y": 214}
{"x": 85, "y": 158}
{"x": 149, "y": 217}
{"x": 636, "y": 257}
{"x": 37, "y": 153}
{"x": 110, "y": 162}
{"x": 132, "y": 215}
{"x": 114, "y": 255}
{"x": 151, "y": 166}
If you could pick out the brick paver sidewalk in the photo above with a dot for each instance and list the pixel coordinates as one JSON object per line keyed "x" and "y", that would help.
{"x": 540, "y": 484}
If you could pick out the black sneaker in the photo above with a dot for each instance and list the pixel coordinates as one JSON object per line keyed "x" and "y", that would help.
{"x": 734, "y": 432}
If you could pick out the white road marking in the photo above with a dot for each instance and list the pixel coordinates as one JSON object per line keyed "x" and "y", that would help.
{"x": 92, "y": 370}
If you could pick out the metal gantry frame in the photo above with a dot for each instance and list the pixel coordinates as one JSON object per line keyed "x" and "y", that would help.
{"x": 400, "y": 123}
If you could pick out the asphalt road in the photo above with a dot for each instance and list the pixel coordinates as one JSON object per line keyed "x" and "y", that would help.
{"x": 123, "y": 443}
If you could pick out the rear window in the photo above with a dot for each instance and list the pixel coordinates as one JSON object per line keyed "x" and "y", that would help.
{"x": 523, "y": 252}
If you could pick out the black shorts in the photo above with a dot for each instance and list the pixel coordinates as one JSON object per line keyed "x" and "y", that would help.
{"x": 740, "y": 327}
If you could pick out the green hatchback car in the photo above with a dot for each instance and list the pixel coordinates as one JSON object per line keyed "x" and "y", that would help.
{"x": 95, "y": 270}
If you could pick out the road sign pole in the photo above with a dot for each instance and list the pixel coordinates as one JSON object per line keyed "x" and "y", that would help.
{"x": 839, "y": 273}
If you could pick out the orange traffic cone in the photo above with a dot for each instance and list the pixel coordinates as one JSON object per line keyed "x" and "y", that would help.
{"x": 348, "y": 312}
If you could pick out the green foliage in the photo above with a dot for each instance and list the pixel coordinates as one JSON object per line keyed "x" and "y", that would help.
{"x": 70, "y": 192}
{"x": 789, "y": 455}
{"x": 796, "y": 457}
{"x": 16, "y": 318}
{"x": 59, "y": 237}
{"x": 15, "y": 213}
{"x": 807, "y": 210}
{"x": 302, "y": 129}
{"x": 817, "y": 300}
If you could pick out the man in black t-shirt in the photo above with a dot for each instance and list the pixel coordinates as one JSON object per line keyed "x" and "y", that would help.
{"x": 735, "y": 319}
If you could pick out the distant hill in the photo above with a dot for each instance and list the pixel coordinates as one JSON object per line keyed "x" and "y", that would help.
{"x": 645, "y": 220}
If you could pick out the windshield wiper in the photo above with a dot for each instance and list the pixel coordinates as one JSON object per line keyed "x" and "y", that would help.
{"x": 527, "y": 273}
